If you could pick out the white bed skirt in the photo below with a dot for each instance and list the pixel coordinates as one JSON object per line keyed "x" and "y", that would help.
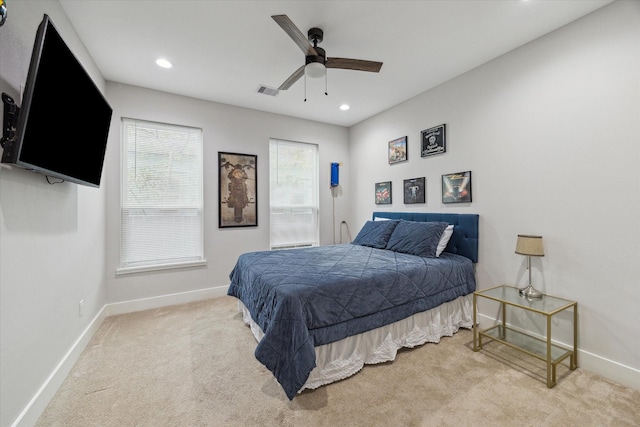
{"x": 341, "y": 359}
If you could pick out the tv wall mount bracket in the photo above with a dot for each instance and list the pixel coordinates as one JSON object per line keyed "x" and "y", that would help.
{"x": 10, "y": 119}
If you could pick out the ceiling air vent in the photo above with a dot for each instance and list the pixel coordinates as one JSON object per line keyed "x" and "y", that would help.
{"x": 268, "y": 90}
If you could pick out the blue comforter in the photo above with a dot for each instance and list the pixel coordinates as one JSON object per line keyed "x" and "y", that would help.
{"x": 303, "y": 298}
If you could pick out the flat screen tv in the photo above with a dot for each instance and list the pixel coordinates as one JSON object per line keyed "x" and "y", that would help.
{"x": 63, "y": 123}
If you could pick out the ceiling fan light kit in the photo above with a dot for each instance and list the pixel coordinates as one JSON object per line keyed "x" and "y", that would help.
{"x": 316, "y": 61}
{"x": 315, "y": 70}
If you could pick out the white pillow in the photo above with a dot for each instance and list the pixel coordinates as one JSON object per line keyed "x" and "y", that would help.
{"x": 444, "y": 239}
{"x": 377, "y": 218}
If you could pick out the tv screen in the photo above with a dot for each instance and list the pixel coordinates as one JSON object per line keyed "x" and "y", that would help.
{"x": 64, "y": 120}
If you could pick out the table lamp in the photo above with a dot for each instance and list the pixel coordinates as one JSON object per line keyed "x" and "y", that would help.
{"x": 530, "y": 246}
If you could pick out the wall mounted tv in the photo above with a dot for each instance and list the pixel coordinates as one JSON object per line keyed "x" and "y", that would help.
{"x": 62, "y": 126}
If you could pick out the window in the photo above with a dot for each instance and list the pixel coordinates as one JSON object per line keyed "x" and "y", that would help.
{"x": 161, "y": 205}
{"x": 293, "y": 173}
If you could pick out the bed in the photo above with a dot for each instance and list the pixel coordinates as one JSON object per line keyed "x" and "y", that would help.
{"x": 320, "y": 314}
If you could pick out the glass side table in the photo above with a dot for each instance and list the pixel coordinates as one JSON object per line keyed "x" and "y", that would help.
{"x": 541, "y": 348}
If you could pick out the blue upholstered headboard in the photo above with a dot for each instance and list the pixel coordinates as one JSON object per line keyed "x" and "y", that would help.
{"x": 464, "y": 240}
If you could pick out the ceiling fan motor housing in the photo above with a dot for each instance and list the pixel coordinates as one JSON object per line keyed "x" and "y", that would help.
{"x": 321, "y": 57}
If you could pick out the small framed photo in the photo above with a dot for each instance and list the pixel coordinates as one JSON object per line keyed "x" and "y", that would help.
{"x": 383, "y": 193}
{"x": 414, "y": 190}
{"x": 238, "y": 191}
{"x": 456, "y": 187}
{"x": 434, "y": 141}
{"x": 398, "y": 150}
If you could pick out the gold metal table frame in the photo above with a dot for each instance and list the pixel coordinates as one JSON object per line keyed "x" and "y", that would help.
{"x": 540, "y": 348}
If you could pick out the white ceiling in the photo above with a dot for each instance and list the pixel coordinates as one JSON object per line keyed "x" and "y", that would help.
{"x": 223, "y": 51}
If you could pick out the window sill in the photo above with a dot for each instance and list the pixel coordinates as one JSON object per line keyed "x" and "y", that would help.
{"x": 158, "y": 267}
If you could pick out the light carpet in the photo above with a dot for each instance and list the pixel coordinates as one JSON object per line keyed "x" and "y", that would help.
{"x": 193, "y": 365}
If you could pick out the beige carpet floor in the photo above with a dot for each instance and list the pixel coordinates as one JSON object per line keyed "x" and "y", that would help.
{"x": 193, "y": 365}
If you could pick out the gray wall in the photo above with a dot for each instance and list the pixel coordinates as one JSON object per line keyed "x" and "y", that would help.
{"x": 550, "y": 133}
{"x": 225, "y": 128}
{"x": 52, "y": 239}
{"x": 548, "y": 130}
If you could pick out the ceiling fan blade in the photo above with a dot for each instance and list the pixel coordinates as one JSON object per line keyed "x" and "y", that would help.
{"x": 292, "y": 79}
{"x": 290, "y": 28}
{"x": 354, "y": 64}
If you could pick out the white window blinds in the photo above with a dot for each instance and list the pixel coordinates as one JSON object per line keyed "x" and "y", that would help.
{"x": 162, "y": 198}
{"x": 293, "y": 172}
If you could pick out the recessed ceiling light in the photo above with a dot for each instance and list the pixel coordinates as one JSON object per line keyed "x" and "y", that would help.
{"x": 164, "y": 63}
{"x": 344, "y": 107}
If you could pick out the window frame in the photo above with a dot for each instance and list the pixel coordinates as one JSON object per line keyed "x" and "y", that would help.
{"x": 314, "y": 206}
{"x": 198, "y": 259}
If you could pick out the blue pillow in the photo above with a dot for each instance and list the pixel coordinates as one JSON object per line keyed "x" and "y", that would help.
{"x": 416, "y": 238}
{"x": 375, "y": 234}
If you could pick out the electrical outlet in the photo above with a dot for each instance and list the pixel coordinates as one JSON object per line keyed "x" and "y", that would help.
{"x": 81, "y": 308}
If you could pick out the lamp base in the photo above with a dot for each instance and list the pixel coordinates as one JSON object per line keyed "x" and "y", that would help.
{"x": 530, "y": 292}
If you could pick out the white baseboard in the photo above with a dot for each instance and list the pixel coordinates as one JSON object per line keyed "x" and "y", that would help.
{"x": 164, "y": 300}
{"x": 609, "y": 369}
{"x": 43, "y": 396}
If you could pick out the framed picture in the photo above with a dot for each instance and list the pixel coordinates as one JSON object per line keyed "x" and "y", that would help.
{"x": 238, "y": 192}
{"x": 456, "y": 187}
{"x": 398, "y": 150}
{"x": 414, "y": 190}
{"x": 383, "y": 193}
{"x": 434, "y": 141}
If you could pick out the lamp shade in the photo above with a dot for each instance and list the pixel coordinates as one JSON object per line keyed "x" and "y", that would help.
{"x": 529, "y": 245}
{"x": 315, "y": 70}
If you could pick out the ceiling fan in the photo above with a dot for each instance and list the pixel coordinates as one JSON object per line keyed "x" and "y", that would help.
{"x": 316, "y": 61}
